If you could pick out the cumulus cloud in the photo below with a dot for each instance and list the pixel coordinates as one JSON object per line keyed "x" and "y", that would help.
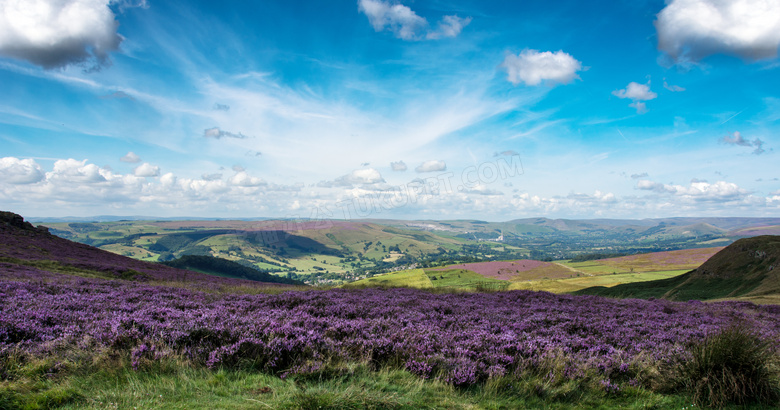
{"x": 637, "y": 176}
{"x": 56, "y": 33}
{"x": 146, "y": 170}
{"x": 637, "y": 93}
{"x": 168, "y": 180}
{"x": 360, "y": 176}
{"x": 74, "y": 171}
{"x": 697, "y": 190}
{"x": 20, "y": 171}
{"x": 531, "y": 67}
{"x": 398, "y": 166}
{"x": 243, "y": 179}
{"x": 217, "y": 133}
{"x": 431, "y": 166}
{"x": 131, "y": 158}
{"x": 405, "y": 24}
{"x": 689, "y": 30}
{"x": 738, "y": 139}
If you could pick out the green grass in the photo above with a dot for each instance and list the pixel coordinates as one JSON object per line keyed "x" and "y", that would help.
{"x": 177, "y": 385}
{"x": 415, "y": 278}
{"x": 605, "y": 281}
{"x": 455, "y": 279}
{"x": 306, "y": 264}
{"x": 593, "y": 267}
{"x": 680, "y": 288}
{"x": 462, "y": 279}
{"x": 734, "y": 366}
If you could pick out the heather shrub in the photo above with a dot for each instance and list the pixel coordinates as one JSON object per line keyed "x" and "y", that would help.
{"x": 733, "y": 366}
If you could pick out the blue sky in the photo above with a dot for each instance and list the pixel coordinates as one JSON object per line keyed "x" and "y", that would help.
{"x": 390, "y": 109}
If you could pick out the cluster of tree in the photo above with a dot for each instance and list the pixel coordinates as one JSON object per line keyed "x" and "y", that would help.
{"x": 594, "y": 256}
{"x": 222, "y": 267}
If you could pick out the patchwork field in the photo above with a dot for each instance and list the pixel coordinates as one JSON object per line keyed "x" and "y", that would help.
{"x": 686, "y": 259}
{"x": 557, "y": 277}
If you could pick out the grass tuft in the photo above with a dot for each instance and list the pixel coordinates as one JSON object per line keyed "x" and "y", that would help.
{"x": 734, "y": 366}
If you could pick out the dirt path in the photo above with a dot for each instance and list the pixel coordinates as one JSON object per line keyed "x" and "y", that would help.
{"x": 573, "y": 270}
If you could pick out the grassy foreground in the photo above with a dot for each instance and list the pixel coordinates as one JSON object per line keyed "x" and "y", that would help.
{"x": 180, "y": 386}
{"x": 734, "y": 368}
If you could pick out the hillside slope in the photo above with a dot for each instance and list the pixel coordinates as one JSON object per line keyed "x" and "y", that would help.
{"x": 24, "y": 247}
{"x": 747, "y": 269}
{"x": 225, "y": 268}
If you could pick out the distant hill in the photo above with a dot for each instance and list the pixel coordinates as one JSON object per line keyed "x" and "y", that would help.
{"x": 26, "y": 247}
{"x": 748, "y": 269}
{"x": 229, "y": 269}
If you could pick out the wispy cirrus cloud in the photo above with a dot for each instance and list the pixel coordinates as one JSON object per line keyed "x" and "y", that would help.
{"x": 218, "y": 133}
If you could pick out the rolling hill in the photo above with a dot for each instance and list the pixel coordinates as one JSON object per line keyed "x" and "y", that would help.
{"x": 24, "y": 247}
{"x": 746, "y": 270}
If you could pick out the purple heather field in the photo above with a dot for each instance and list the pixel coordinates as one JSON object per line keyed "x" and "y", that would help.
{"x": 463, "y": 338}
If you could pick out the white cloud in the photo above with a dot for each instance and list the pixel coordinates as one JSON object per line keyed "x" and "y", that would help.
{"x": 80, "y": 188}
{"x": 20, "y": 171}
{"x": 481, "y": 189}
{"x": 531, "y": 67}
{"x": 74, "y": 171}
{"x": 146, "y": 170}
{"x": 243, "y": 179}
{"x": 131, "y": 157}
{"x": 689, "y": 30}
{"x": 673, "y": 88}
{"x": 697, "y": 190}
{"x": 637, "y": 93}
{"x": 398, "y": 166}
{"x": 168, "y": 180}
{"x": 641, "y": 108}
{"x": 405, "y": 24}
{"x": 218, "y": 133}
{"x": 431, "y": 166}
{"x": 360, "y": 176}
{"x": 738, "y": 139}
{"x": 449, "y": 26}
{"x": 56, "y": 33}
{"x": 399, "y": 19}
